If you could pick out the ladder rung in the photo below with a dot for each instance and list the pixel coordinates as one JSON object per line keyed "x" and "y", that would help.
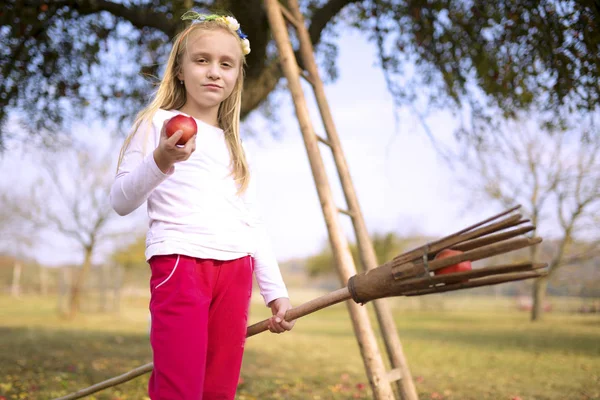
{"x": 323, "y": 140}
{"x": 289, "y": 16}
{"x": 394, "y": 375}
{"x": 346, "y": 212}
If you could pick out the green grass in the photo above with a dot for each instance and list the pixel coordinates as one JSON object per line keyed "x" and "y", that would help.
{"x": 474, "y": 348}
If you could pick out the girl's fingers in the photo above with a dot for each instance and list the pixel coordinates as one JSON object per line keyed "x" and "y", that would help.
{"x": 273, "y": 326}
{"x": 280, "y": 327}
{"x": 287, "y": 325}
{"x": 191, "y": 144}
{"x": 172, "y": 141}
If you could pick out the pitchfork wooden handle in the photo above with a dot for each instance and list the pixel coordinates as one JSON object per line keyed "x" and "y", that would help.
{"x": 304, "y": 309}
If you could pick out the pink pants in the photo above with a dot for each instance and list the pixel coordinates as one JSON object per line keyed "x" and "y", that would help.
{"x": 199, "y": 312}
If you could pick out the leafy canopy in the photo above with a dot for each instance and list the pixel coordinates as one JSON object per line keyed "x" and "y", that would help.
{"x": 64, "y": 60}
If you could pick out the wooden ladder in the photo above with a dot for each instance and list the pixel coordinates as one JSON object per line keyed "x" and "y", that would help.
{"x": 379, "y": 379}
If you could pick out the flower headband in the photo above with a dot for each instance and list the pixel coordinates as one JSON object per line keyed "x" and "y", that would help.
{"x": 230, "y": 22}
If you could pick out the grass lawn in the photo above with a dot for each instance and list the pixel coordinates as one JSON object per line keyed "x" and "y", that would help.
{"x": 477, "y": 349}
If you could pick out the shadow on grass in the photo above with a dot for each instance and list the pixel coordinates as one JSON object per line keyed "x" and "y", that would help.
{"x": 43, "y": 363}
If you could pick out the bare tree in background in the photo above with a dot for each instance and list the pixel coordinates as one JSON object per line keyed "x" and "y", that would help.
{"x": 16, "y": 239}
{"x": 554, "y": 175}
{"x": 72, "y": 202}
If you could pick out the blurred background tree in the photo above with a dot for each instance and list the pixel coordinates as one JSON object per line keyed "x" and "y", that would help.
{"x": 131, "y": 255}
{"x": 16, "y": 244}
{"x": 68, "y": 200}
{"x": 71, "y": 60}
{"x": 555, "y": 176}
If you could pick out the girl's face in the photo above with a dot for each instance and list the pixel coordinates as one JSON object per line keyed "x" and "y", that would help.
{"x": 210, "y": 67}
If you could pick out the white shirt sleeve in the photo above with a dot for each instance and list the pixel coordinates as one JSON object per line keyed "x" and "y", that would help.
{"x": 138, "y": 174}
{"x": 266, "y": 268}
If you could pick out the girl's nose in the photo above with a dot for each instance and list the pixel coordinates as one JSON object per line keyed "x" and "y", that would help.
{"x": 213, "y": 72}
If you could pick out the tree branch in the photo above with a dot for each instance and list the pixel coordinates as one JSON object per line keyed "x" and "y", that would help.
{"x": 257, "y": 90}
{"x": 139, "y": 17}
{"x": 589, "y": 253}
{"x": 322, "y": 16}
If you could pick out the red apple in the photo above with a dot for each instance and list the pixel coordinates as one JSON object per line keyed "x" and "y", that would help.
{"x": 181, "y": 123}
{"x": 460, "y": 267}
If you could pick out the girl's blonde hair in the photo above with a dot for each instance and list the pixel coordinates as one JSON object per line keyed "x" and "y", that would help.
{"x": 172, "y": 95}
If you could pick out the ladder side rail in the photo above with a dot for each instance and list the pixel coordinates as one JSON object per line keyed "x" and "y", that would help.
{"x": 365, "y": 246}
{"x": 364, "y": 333}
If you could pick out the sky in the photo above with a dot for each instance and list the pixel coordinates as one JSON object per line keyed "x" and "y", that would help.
{"x": 402, "y": 184}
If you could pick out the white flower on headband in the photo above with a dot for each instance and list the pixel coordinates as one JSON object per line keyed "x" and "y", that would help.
{"x": 245, "y": 46}
{"x": 232, "y": 23}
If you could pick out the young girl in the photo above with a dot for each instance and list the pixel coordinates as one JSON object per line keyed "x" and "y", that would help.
{"x": 205, "y": 237}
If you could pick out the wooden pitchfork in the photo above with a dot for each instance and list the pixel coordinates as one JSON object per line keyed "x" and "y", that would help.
{"x": 412, "y": 274}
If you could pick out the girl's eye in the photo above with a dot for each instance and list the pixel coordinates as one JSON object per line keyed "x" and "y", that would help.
{"x": 228, "y": 65}
{"x": 201, "y": 60}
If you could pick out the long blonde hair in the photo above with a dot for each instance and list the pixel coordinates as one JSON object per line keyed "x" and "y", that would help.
{"x": 172, "y": 95}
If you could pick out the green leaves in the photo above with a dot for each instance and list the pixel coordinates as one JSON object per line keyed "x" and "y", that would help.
{"x": 69, "y": 60}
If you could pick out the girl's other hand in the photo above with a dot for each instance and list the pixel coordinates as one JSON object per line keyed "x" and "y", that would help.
{"x": 168, "y": 152}
{"x": 277, "y": 323}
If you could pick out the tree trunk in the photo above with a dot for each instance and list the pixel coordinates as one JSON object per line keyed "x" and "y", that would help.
{"x": 103, "y": 298}
{"x": 15, "y": 289}
{"x": 43, "y": 281}
{"x": 539, "y": 295}
{"x": 64, "y": 282}
{"x": 117, "y": 283}
{"x": 77, "y": 287}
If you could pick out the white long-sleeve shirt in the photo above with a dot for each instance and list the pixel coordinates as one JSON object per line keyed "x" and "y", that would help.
{"x": 194, "y": 209}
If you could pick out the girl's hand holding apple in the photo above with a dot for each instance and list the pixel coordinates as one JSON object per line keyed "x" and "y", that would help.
{"x": 187, "y": 125}
{"x": 169, "y": 150}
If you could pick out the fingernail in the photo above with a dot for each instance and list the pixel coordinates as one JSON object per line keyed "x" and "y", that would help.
{"x": 277, "y": 319}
